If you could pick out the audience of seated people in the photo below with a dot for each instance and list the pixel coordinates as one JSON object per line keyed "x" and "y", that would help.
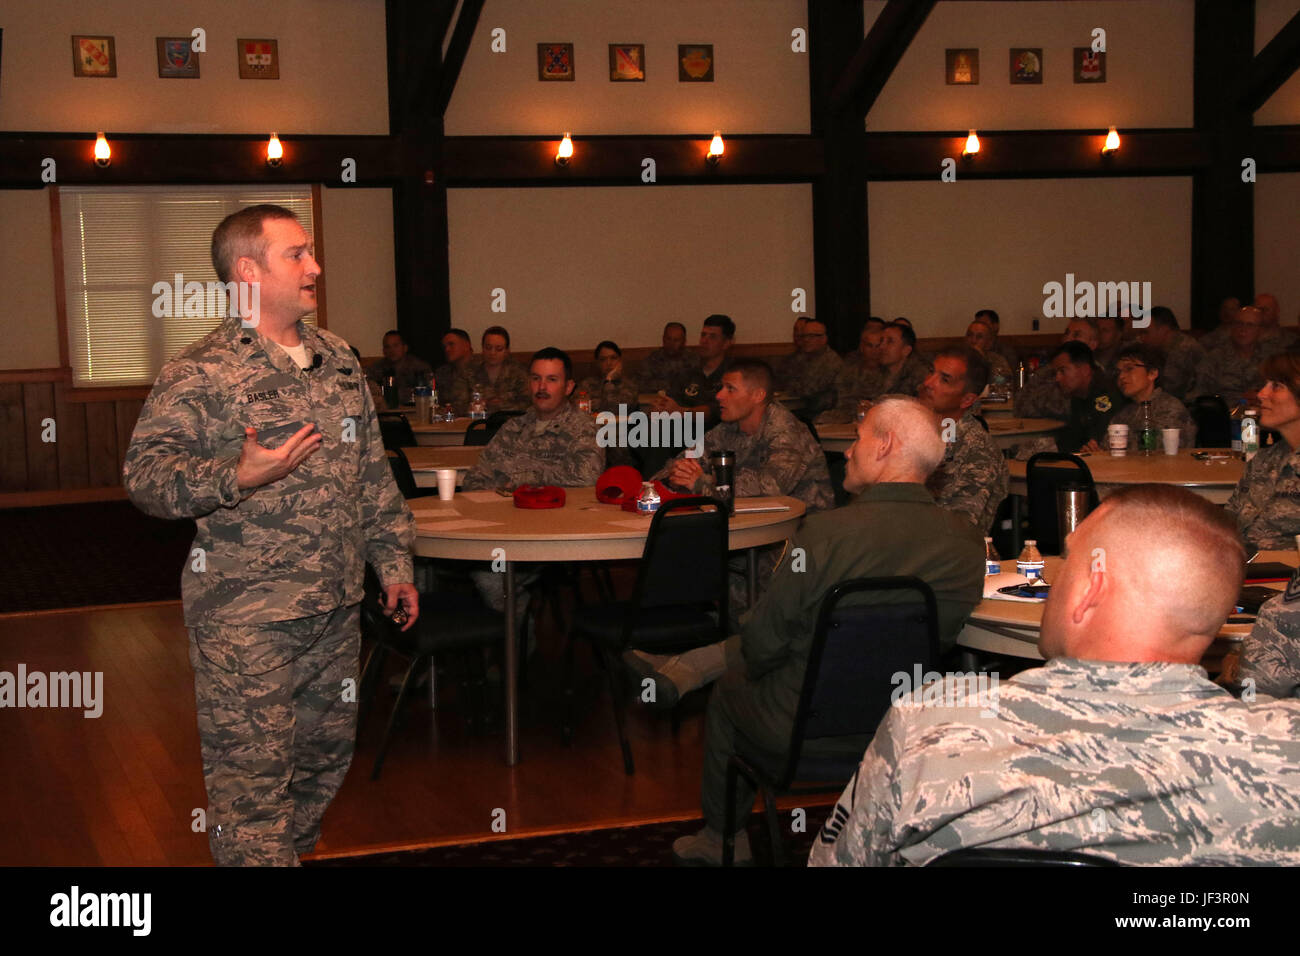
{"x": 808, "y": 374}
{"x": 407, "y": 370}
{"x": 1139, "y": 370}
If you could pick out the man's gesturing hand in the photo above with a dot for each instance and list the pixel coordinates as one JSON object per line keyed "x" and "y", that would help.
{"x": 259, "y": 465}
{"x": 409, "y": 598}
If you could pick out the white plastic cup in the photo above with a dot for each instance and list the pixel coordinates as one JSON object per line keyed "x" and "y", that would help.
{"x": 1117, "y": 437}
{"x": 446, "y": 483}
{"x": 1170, "y": 437}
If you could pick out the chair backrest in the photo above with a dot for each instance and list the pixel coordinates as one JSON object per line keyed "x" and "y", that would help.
{"x": 402, "y": 474}
{"x": 396, "y": 430}
{"x": 991, "y": 856}
{"x": 685, "y": 558}
{"x": 476, "y": 434}
{"x": 1042, "y": 480}
{"x": 482, "y": 432}
{"x": 857, "y": 650}
{"x": 1213, "y": 425}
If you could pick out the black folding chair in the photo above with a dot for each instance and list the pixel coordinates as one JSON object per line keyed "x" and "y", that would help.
{"x": 405, "y": 478}
{"x": 989, "y": 856}
{"x": 1044, "y": 476}
{"x": 679, "y": 603}
{"x": 395, "y": 430}
{"x": 1213, "y": 424}
{"x": 847, "y": 690}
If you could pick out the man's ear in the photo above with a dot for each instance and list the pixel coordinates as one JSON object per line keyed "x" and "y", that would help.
{"x": 886, "y": 446}
{"x": 967, "y": 401}
{"x": 569, "y": 386}
{"x": 1090, "y": 598}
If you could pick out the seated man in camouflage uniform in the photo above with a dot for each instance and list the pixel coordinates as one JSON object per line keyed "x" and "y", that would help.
{"x": 1042, "y": 397}
{"x": 502, "y": 384}
{"x": 1093, "y": 399}
{"x": 408, "y": 370}
{"x": 461, "y": 363}
{"x": 661, "y": 369}
{"x": 860, "y": 378}
{"x": 550, "y": 444}
{"x": 1140, "y": 370}
{"x": 1110, "y": 339}
{"x": 893, "y": 527}
{"x": 1006, "y": 350}
{"x": 809, "y": 374}
{"x": 979, "y": 336}
{"x": 1182, "y": 353}
{"x": 1221, "y": 334}
{"x": 1232, "y": 371}
{"x": 903, "y": 366}
{"x": 1266, "y": 501}
{"x": 1273, "y": 336}
{"x": 1270, "y": 655}
{"x": 973, "y": 478}
{"x": 1119, "y": 746}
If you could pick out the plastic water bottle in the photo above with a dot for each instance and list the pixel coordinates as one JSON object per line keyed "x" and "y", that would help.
{"x": 992, "y": 563}
{"x": 1030, "y": 563}
{"x": 1250, "y": 433}
{"x": 423, "y": 402}
{"x": 1234, "y": 423}
{"x": 648, "y": 502}
{"x": 1148, "y": 436}
{"x": 584, "y": 403}
{"x": 477, "y": 408}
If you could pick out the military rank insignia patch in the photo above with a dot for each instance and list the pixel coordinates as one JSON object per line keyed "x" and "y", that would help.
{"x": 1102, "y": 404}
{"x": 1292, "y": 593}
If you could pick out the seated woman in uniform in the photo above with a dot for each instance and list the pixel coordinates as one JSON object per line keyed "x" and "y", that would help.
{"x": 1267, "y": 499}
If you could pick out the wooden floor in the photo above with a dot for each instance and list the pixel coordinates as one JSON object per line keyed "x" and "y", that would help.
{"x": 122, "y": 789}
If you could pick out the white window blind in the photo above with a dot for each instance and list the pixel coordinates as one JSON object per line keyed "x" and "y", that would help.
{"x": 117, "y": 243}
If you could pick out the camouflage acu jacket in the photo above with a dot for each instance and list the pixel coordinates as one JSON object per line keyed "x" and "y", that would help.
{"x": 781, "y": 458}
{"x": 297, "y": 546}
{"x": 1224, "y": 372}
{"x": 659, "y": 371}
{"x": 1270, "y": 656}
{"x": 529, "y": 451}
{"x": 1182, "y": 358}
{"x": 1166, "y": 412}
{"x": 809, "y": 376}
{"x": 908, "y": 378}
{"x": 1147, "y": 763}
{"x": 1267, "y": 498}
{"x": 855, "y": 382}
{"x": 608, "y": 396}
{"x": 973, "y": 477}
{"x": 509, "y": 393}
{"x": 1042, "y": 397}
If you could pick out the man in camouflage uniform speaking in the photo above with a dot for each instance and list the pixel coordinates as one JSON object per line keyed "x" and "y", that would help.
{"x": 1119, "y": 746}
{"x": 265, "y": 433}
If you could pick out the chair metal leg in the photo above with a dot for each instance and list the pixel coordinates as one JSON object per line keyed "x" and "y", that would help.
{"x": 433, "y": 684}
{"x": 369, "y": 679}
{"x": 729, "y": 824}
{"x": 775, "y": 835}
{"x": 396, "y": 717}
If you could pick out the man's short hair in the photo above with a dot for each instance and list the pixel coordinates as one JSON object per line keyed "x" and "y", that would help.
{"x": 607, "y": 344}
{"x": 1164, "y": 316}
{"x": 1075, "y": 351}
{"x": 1188, "y": 550}
{"x": 915, "y": 425}
{"x": 876, "y": 321}
{"x": 755, "y": 372}
{"x": 906, "y": 330}
{"x": 977, "y": 366}
{"x": 241, "y": 234}
{"x": 496, "y": 330}
{"x": 550, "y": 353}
{"x": 1117, "y": 319}
{"x": 990, "y": 315}
{"x": 675, "y": 325}
{"x": 399, "y": 335}
{"x": 813, "y": 321}
{"x": 719, "y": 321}
{"x": 1087, "y": 320}
{"x": 460, "y": 334}
{"x": 1148, "y": 355}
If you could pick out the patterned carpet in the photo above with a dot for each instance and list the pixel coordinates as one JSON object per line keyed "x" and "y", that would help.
{"x": 649, "y": 845}
{"x": 81, "y": 555}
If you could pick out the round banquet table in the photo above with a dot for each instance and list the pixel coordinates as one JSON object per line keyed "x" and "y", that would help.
{"x": 441, "y": 433}
{"x": 1010, "y": 628}
{"x": 1212, "y": 480}
{"x": 990, "y": 410}
{"x": 426, "y": 460}
{"x": 1004, "y": 431}
{"x": 484, "y": 526}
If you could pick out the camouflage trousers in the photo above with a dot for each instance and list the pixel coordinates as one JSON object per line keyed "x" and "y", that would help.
{"x": 276, "y": 730}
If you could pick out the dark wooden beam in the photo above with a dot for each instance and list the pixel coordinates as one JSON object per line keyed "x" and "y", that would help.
{"x": 878, "y": 54}
{"x": 456, "y": 51}
{"x": 1273, "y": 66}
{"x": 1223, "y": 209}
{"x": 618, "y": 160}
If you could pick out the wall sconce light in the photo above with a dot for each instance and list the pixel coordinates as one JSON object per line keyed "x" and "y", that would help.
{"x": 1112, "y": 143}
{"x": 715, "y": 149}
{"x": 103, "y": 155}
{"x": 274, "y": 151}
{"x": 565, "y": 152}
{"x": 972, "y": 145}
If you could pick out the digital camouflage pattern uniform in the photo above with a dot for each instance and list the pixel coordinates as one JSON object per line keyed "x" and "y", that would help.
{"x": 1266, "y": 500}
{"x": 810, "y": 377}
{"x": 607, "y": 396}
{"x": 972, "y": 478}
{"x": 1270, "y": 655}
{"x": 1182, "y": 358}
{"x": 448, "y": 380}
{"x": 511, "y": 392}
{"x": 407, "y": 371}
{"x": 781, "y": 458}
{"x": 531, "y": 451}
{"x": 659, "y": 371}
{"x": 888, "y": 529}
{"x": 1166, "y": 412}
{"x": 1042, "y": 397}
{"x": 1145, "y": 764}
{"x": 1224, "y": 372}
{"x": 272, "y": 587}
{"x": 908, "y": 378}
{"x": 855, "y": 382}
